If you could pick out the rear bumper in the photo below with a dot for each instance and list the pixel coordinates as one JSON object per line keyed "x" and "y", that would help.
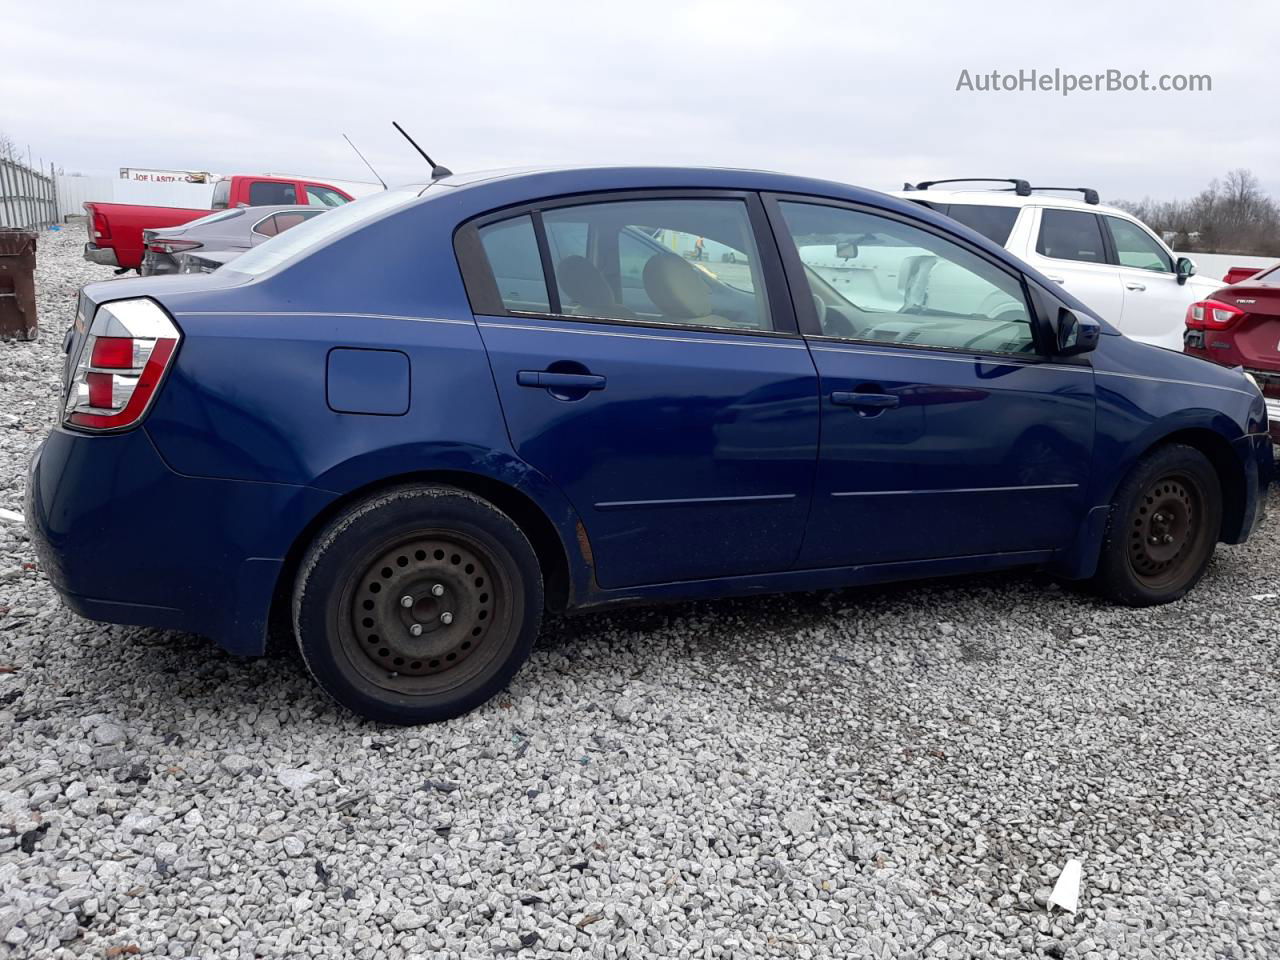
{"x": 124, "y": 539}
{"x": 103, "y": 255}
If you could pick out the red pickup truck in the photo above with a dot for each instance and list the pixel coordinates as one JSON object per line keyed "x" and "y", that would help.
{"x": 115, "y": 229}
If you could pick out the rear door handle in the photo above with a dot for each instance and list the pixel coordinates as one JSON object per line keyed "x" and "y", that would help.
{"x": 571, "y": 381}
{"x": 878, "y": 401}
{"x": 1134, "y": 285}
{"x": 1058, "y": 279}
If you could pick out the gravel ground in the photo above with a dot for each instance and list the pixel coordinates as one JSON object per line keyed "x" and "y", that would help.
{"x": 897, "y": 772}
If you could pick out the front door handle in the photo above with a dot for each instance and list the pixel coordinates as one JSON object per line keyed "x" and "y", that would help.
{"x": 1134, "y": 285}
{"x": 877, "y": 401}
{"x": 563, "y": 381}
{"x": 1057, "y": 279}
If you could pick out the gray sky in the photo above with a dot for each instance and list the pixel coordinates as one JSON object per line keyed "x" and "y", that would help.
{"x": 853, "y": 91}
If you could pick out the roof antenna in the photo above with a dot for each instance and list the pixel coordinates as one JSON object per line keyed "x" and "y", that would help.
{"x": 366, "y": 162}
{"x": 437, "y": 170}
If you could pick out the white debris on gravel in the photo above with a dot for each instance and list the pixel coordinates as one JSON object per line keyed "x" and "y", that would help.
{"x": 883, "y": 773}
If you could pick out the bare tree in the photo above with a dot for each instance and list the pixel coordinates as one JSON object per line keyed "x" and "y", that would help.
{"x": 1231, "y": 215}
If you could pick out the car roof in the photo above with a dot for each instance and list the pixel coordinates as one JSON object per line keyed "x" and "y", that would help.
{"x": 1005, "y": 198}
{"x": 563, "y": 179}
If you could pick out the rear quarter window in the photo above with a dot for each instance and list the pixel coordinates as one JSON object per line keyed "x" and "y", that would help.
{"x": 994, "y": 223}
{"x": 511, "y": 247}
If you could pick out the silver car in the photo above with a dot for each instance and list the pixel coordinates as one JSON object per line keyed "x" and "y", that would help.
{"x": 219, "y": 237}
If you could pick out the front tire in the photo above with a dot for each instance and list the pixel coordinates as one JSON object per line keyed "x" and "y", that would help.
{"x": 417, "y": 605}
{"x": 1164, "y": 524}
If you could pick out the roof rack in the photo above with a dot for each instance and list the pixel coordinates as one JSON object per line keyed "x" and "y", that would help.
{"x": 1021, "y": 187}
{"x": 1090, "y": 195}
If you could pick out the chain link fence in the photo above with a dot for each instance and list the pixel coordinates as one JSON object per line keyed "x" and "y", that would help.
{"x": 28, "y": 194}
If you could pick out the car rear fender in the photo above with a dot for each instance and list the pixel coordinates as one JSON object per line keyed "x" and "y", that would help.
{"x": 533, "y": 502}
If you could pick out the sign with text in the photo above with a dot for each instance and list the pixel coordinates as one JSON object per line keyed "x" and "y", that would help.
{"x": 142, "y": 175}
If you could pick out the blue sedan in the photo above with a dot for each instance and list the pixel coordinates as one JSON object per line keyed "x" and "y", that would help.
{"x": 412, "y": 425}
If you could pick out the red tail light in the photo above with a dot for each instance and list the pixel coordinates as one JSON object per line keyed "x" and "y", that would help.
{"x": 1212, "y": 315}
{"x": 98, "y": 228}
{"x": 126, "y": 353}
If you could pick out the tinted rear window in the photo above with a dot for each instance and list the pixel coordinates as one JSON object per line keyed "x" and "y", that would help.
{"x": 994, "y": 223}
{"x": 264, "y": 193}
{"x": 1071, "y": 235}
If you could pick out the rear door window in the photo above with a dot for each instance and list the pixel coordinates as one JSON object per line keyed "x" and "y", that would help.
{"x": 268, "y": 193}
{"x": 687, "y": 261}
{"x": 1070, "y": 235}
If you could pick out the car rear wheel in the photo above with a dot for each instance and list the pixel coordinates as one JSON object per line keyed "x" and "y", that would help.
{"x": 417, "y": 605}
{"x": 1163, "y": 527}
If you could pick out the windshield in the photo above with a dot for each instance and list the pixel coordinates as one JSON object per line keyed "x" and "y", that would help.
{"x": 319, "y": 230}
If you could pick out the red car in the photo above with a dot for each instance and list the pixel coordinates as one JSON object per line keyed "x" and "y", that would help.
{"x": 1240, "y": 326}
{"x": 115, "y": 229}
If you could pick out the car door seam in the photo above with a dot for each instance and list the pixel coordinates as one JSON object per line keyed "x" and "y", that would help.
{"x": 968, "y": 359}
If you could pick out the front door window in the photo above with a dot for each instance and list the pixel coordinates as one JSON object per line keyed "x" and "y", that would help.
{"x": 1136, "y": 248}
{"x": 881, "y": 280}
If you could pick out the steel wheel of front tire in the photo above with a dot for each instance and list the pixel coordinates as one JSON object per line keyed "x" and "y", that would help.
{"x": 418, "y": 604}
{"x": 1164, "y": 524}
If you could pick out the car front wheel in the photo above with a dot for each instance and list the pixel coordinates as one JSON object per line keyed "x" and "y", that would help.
{"x": 418, "y": 604}
{"x": 1163, "y": 527}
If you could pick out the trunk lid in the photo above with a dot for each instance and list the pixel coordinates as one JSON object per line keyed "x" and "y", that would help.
{"x": 1256, "y": 335}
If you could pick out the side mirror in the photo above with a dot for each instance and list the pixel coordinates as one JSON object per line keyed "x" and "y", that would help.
{"x": 1185, "y": 267}
{"x": 1076, "y": 334}
{"x": 847, "y": 250}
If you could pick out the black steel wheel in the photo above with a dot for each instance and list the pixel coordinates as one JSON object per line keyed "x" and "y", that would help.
{"x": 1165, "y": 521}
{"x": 1165, "y": 527}
{"x": 417, "y": 605}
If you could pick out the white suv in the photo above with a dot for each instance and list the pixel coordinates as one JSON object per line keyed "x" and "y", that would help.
{"x": 1106, "y": 257}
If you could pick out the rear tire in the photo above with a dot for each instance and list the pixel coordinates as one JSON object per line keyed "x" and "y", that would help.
{"x": 417, "y": 605}
{"x": 1164, "y": 525}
